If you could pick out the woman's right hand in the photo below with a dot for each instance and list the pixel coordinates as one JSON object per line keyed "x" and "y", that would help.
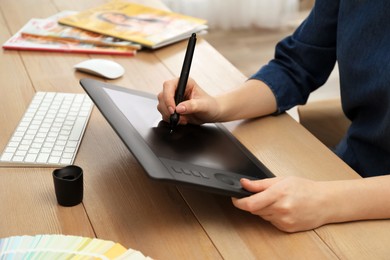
{"x": 198, "y": 107}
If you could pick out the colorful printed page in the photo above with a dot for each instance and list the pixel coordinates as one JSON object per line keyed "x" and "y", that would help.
{"x": 64, "y": 247}
{"x": 32, "y": 43}
{"x": 136, "y": 23}
{"x": 49, "y": 28}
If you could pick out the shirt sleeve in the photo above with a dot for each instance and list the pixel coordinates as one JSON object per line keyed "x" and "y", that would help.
{"x": 304, "y": 60}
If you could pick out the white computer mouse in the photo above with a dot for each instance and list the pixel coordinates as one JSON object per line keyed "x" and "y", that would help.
{"x": 101, "y": 67}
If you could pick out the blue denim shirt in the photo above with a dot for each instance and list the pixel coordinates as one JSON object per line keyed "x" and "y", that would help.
{"x": 356, "y": 34}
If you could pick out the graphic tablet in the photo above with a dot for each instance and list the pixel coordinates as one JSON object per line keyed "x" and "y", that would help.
{"x": 206, "y": 157}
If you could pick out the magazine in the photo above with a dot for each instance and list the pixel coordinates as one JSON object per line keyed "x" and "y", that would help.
{"x": 49, "y": 28}
{"x": 17, "y": 42}
{"x": 148, "y": 26}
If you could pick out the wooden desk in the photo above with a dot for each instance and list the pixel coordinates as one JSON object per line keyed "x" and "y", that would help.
{"x": 122, "y": 204}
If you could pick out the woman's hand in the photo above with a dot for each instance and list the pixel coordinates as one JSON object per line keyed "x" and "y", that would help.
{"x": 289, "y": 203}
{"x": 197, "y": 108}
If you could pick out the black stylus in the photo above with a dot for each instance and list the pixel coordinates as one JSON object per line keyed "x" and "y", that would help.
{"x": 181, "y": 87}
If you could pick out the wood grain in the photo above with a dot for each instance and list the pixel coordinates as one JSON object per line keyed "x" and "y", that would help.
{"x": 29, "y": 206}
{"x": 122, "y": 204}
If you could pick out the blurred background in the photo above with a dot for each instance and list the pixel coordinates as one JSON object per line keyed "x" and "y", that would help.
{"x": 246, "y": 32}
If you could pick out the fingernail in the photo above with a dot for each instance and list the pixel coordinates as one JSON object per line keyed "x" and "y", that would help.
{"x": 171, "y": 110}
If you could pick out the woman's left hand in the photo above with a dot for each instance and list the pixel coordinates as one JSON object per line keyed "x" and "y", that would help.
{"x": 289, "y": 203}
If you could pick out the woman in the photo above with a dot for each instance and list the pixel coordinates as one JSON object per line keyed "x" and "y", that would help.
{"x": 356, "y": 34}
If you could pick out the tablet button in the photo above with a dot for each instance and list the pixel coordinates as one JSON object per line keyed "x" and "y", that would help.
{"x": 195, "y": 173}
{"x": 177, "y": 170}
{"x": 204, "y": 175}
{"x": 226, "y": 179}
{"x": 186, "y": 171}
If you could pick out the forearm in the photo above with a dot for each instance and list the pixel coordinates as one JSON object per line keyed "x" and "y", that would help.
{"x": 359, "y": 199}
{"x": 253, "y": 99}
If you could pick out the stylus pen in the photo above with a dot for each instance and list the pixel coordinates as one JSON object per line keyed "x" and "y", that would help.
{"x": 181, "y": 87}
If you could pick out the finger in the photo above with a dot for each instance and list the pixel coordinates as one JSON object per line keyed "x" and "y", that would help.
{"x": 190, "y": 112}
{"x": 162, "y": 108}
{"x": 257, "y": 202}
{"x": 254, "y": 204}
{"x": 194, "y": 105}
{"x": 258, "y": 185}
{"x": 168, "y": 94}
{"x": 265, "y": 213}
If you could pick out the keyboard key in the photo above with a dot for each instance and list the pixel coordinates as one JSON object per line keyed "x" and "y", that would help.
{"x": 10, "y": 149}
{"x": 21, "y": 153}
{"x": 72, "y": 144}
{"x": 23, "y": 147}
{"x": 7, "y": 156}
{"x": 45, "y": 150}
{"x": 66, "y": 161}
{"x": 54, "y": 159}
{"x": 70, "y": 150}
{"x": 17, "y": 158}
{"x": 42, "y": 157}
{"x": 33, "y": 151}
{"x": 77, "y": 129}
{"x": 31, "y": 158}
{"x": 58, "y": 148}
{"x": 56, "y": 153}
{"x": 67, "y": 155}
{"x": 13, "y": 144}
{"x": 16, "y": 139}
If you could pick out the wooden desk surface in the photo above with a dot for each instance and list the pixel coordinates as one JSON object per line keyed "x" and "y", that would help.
{"x": 121, "y": 203}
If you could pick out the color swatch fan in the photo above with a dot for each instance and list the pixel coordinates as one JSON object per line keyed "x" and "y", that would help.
{"x": 64, "y": 247}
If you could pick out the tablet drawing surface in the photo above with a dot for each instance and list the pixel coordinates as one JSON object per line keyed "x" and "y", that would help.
{"x": 206, "y": 157}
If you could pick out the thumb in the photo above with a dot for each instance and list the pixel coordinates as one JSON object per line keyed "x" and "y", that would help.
{"x": 191, "y": 106}
{"x": 258, "y": 185}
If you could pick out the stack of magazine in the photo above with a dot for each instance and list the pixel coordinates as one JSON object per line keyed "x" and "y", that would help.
{"x": 117, "y": 27}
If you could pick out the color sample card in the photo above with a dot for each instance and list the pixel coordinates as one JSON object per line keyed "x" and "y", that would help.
{"x": 64, "y": 247}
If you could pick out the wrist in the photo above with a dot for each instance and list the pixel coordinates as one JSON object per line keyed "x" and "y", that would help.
{"x": 253, "y": 99}
{"x": 330, "y": 202}
{"x": 344, "y": 201}
{"x": 223, "y": 113}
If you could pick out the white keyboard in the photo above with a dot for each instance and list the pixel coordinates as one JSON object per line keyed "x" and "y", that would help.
{"x": 50, "y": 132}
